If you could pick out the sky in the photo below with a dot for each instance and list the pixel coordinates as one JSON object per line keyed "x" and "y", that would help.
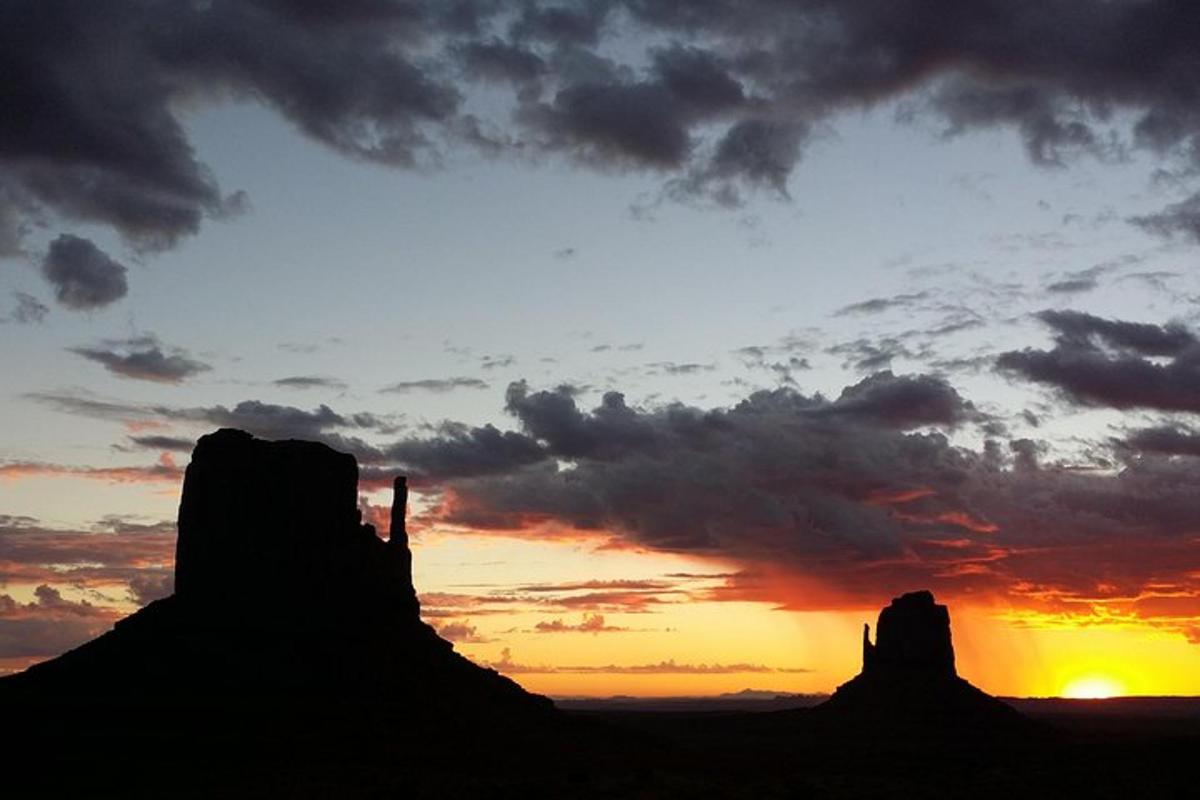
{"x": 702, "y": 329}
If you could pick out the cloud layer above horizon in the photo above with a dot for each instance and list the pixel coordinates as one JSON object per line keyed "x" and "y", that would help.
{"x": 717, "y": 98}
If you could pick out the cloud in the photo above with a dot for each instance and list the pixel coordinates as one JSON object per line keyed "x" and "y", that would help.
{"x": 1171, "y": 440}
{"x": 116, "y": 152}
{"x": 437, "y": 384}
{"x": 461, "y": 450}
{"x": 1177, "y": 219}
{"x": 461, "y": 632}
{"x": 165, "y": 471}
{"x": 266, "y": 420}
{"x": 606, "y": 585}
{"x": 864, "y": 355}
{"x": 143, "y": 358}
{"x": 309, "y": 382}
{"x": 878, "y": 305}
{"x": 113, "y": 564}
{"x": 84, "y": 277}
{"x": 1112, "y": 363}
{"x": 28, "y": 309}
{"x": 837, "y": 503}
{"x": 48, "y": 625}
{"x": 1083, "y": 280}
{"x": 589, "y": 623}
{"x": 507, "y": 665}
{"x": 675, "y": 368}
{"x": 495, "y": 362}
{"x": 718, "y": 98}
{"x": 159, "y": 442}
{"x": 902, "y": 402}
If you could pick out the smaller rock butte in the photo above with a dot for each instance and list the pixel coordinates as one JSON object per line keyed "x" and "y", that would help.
{"x": 909, "y": 683}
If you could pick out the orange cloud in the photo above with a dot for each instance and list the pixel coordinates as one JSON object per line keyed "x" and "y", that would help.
{"x": 165, "y": 471}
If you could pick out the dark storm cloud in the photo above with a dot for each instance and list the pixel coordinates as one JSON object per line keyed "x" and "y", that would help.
{"x": 633, "y": 124}
{"x": 554, "y": 419}
{"x": 718, "y": 95}
{"x": 143, "y": 358}
{"x": 499, "y": 60}
{"x": 554, "y": 427}
{"x": 560, "y": 23}
{"x": 902, "y": 402}
{"x": 459, "y": 450}
{"x": 1171, "y": 440}
{"x": 1079, "y": 328}
{"x": 845, "y": 498}
{"x": 92, "y": 131}
{"x": 1100, "y": 362}
{"x": 84, "y": 277}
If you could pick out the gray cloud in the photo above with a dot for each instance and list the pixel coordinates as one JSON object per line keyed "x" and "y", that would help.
{"x": 267, "y": 420}
{"x": 436, "y": 384}
{"x": 728, "y": 104}
{"x": 1171, "y": 440}
{"x": 844, "y": 498}
{"x": 309, "y": 382}
{"x": 877, "y": 305}
{"x": 1111, "y": 363}
{"x": 143, "y": 358}
{"x": 1177, "y": 219}
{"x": 677, "y": 368}
{"x": 84, "y": 277}
{"x": 459, "y": 450}
{"x": 116, "y": 153}
{"x": 179, "y": 444}
{"x": 28, "y": 309}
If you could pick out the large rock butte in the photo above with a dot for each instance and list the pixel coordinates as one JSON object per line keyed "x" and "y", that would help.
{"x": 275, "y": 526}
{"x": 913, "y": 635}
{"x": 281, "y": 592}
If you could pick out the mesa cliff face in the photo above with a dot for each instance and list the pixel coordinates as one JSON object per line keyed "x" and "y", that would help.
{"x": 281, "y": 592}
{"x": 913, "y": 635}
{"x": 275, "y": 527}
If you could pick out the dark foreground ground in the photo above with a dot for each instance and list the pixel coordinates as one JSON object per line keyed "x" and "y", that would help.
{"x": 214, "y": 748}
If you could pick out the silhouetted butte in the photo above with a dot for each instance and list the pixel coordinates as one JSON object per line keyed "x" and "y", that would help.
{"x": 909, "y": 682}
{"x": 281, "y": 592}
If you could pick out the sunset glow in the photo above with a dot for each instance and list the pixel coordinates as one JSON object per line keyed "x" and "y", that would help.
{"x": 1092, "y": 687}
{"x": 699, "y": 332}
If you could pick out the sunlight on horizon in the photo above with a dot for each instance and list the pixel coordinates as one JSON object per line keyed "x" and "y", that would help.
{"x": 1093, "y": 687}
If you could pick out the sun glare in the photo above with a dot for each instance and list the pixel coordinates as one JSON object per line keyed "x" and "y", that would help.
{"x": 1092, "y": 687}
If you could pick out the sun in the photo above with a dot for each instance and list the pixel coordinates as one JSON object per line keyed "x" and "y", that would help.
{"x": 1092, "y": 687}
